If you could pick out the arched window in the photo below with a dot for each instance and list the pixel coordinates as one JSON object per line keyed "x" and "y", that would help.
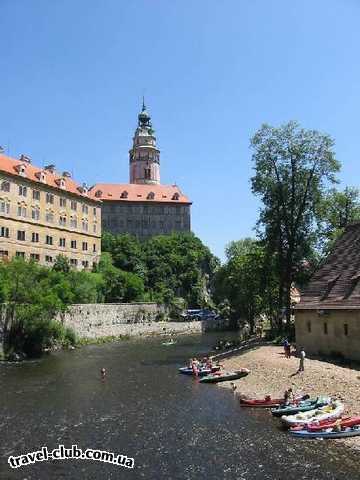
{"x": 151, "y": 196}
{"x": 35, "y": 213}
{"x": 61, "y": 183}
{"x": 73, "y": 222}
{"x": 4, "y": 206}
{"x": 124, "y": 194}
{"x": 5, "y": 186}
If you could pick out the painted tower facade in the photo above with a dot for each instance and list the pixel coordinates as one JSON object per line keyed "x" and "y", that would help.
{"x": 144, "y": 157}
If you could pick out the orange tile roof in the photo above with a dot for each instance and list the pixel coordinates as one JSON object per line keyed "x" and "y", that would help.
{"x": 11, "y": 166}
{"x": 132, "y": 192}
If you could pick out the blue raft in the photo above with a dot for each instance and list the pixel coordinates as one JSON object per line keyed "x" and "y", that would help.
{"x": 302, "y": 406}
{"x": 202, "y": 372}
{"x": 329, "y": 433}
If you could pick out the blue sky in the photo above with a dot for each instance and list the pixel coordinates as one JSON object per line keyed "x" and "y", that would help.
{"x": 73, "y": 73}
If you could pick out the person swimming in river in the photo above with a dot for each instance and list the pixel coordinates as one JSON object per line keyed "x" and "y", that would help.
{"x": 103, "y": 373}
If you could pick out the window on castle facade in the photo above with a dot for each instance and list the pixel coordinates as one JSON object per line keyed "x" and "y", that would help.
{"x": 4, "y": 207}
{"x": 21, "y": 235}
{"x": 35, "y": 213}
{"x": 62, "y": 221}
{"x": 50, "y": 198}
{"x": 73, "y": 222}
{"x": 5, "y": 186}
{"x": 21, "y": 211}
{"x": 22, "y": 191}
{"x": 35, "y": 237}
{"x": 62, "y": 202}
{"x": 49, "y": 240}
{"x": 73, "y": 205}
{"x": 49, "y": 217}
{"x": 85, "y": 225}
{"x": 85, "y": 209}
{"x": 36, "y": 194}
{"x": 4, "y": 232}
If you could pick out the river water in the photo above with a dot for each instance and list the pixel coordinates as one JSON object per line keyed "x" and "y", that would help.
{"x": 173, "y": 427}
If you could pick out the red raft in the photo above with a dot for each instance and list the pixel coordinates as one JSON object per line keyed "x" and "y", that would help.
{"x": 324, "y": 424}
{"x": 267, "y": 402}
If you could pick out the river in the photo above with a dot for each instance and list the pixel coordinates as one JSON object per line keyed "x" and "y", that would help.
{"x": 173, "y": 427}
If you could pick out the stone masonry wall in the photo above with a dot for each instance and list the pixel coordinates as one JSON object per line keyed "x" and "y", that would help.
{"x": 103, "y": 320}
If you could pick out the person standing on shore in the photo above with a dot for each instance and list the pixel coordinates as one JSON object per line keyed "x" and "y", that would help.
{"x": 288, "y": 396}
{"x": 302, "y": 360}
{"x": 287, "y": 348}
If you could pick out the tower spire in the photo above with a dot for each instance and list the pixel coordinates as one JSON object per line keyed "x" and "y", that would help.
{"x": 144, "y": 156}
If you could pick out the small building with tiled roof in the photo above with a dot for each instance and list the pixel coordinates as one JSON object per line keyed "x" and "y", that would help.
{"x": 327, "y": 318}
{"x": 144, "y": 207}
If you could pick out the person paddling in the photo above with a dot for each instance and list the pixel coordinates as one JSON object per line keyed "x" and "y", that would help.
{"x": 103, "y": 373}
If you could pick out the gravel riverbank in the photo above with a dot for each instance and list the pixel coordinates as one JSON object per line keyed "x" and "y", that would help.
{"x": 272, "y": 373}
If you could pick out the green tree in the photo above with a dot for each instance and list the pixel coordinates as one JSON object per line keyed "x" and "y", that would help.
{"x": 246, "y": 281}
{"x": 336, "y": 210}
{"x": 33, "y": 295}
{"x": 86, "y": 287}
{"x": 179, "y": 265}
{"x": 126, "y": 252}
{"x": 238, "y": 247}
{"x": 118, "y": 285}
{"x": 293, "y": 169}
{"x": 61, "y": 264}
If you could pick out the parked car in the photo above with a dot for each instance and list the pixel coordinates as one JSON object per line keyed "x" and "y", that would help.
{"x": 200, "y": 314}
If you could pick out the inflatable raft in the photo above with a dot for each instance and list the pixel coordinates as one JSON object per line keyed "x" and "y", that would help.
{"x": 225, "y": 376}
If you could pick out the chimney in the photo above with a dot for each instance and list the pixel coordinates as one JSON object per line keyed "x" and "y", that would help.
{"x": 66, "y": 174}
{"x": 50, "y": 168}
{"x": 25, "y": 158}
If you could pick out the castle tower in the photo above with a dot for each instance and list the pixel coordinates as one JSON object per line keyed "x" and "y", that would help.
{"x": 144, "y": 157}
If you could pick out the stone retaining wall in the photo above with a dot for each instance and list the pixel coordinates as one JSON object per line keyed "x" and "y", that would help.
{"x": 114, "y": 319}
